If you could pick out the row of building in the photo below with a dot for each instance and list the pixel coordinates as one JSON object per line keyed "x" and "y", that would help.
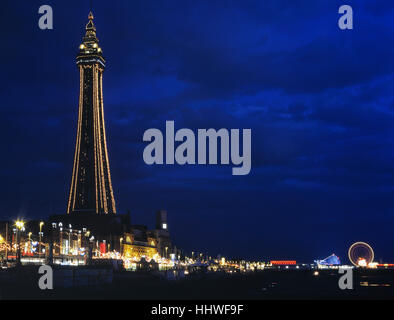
{"x": 80, "y": 237}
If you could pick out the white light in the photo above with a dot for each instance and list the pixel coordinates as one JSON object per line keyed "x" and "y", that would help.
{"x": 362, "y": 262}
{"x": 164, "y": 225}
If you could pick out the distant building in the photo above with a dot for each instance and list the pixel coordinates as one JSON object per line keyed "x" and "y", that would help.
{"x": 162, "y": 234}
{"x": 283, "y": 262}
{"x": 331, "y": 260}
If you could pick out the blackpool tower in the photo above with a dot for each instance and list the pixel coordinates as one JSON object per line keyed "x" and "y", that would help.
{"x": 91, "y": 187}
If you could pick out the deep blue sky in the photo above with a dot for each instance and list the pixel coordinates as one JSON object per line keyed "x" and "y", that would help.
{"x": 319, "y": 101}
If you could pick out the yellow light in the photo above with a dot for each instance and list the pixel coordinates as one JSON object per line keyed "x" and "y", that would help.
{"x": 81, "y": 47}
{"x": 99, "y": 50}
{"x": 95, "y": 45}
{"x": 316, "y": 273}
{"x": 20, "y": 224}
{"x": 362, "y": 262}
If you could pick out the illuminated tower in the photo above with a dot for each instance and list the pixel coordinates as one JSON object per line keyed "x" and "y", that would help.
{"x": 91, "y": 186}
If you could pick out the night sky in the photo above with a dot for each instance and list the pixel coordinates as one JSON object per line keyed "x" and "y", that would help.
{"x": 319, "y": 101}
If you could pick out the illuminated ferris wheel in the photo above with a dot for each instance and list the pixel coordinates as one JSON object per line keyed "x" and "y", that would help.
{"x": 361, "y": 254}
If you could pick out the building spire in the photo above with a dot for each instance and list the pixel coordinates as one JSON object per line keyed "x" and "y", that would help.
{"x": 90, "y": 43}
{"x": 90, "y": 25}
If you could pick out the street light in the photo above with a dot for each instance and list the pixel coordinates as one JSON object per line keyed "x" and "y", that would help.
{"x": 20, "y": 226}
{"x": 29, "y": 234}
{"x": 61, "y": 238}
{"x": 69, "y": 240}
{"x": 120, "y": 248}
{"x": 40, "y": 238}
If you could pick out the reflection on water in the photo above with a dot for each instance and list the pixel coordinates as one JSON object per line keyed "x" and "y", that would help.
{"x": 367, "y": 284}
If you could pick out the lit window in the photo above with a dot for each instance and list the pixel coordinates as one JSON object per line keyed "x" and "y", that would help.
{"x": 164, "y": 225}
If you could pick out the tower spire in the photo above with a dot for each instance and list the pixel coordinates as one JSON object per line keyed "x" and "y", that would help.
{"x": 90, "y": 43}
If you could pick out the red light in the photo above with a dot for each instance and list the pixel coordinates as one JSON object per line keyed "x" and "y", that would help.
{"x": 283, "y": 262}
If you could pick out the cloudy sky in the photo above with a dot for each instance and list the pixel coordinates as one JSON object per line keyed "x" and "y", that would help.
{"x": 319, "y": 101}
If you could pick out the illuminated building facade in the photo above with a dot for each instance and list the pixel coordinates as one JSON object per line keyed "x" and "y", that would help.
{"x": 133, "y": 249}
{"x": 91, "y": 186}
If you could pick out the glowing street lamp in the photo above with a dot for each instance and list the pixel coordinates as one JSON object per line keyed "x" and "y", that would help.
{"x": 120, "y": 248}
{"x": 29, "y": 244}
{"x": 20, "y": 226}
{"x": 61, "y": 238}
{"x": 40, "y": 238}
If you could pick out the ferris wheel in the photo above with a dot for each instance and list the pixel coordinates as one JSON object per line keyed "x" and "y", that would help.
{"x": 361, "y": 254}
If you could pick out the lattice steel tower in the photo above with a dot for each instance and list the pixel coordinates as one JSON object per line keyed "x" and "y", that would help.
{"x": 91, "y": 186}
